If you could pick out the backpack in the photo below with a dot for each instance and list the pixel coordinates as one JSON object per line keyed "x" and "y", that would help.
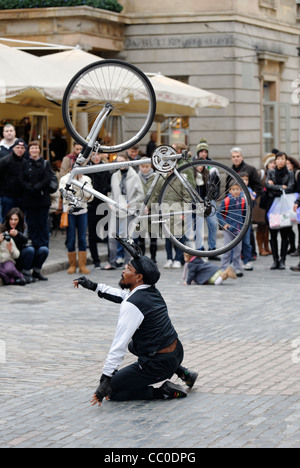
{"x": 227, "y": 202}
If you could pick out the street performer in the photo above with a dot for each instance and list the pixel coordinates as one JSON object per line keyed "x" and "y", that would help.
{"x": 144, "y": 326}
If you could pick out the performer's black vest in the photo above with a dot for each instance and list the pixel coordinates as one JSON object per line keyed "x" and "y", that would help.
{"x": 156, "y": 331}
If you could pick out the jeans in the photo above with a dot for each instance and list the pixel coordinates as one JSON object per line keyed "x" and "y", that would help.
{"x": 119, "y": 226}
{"x": 233, "y": 255}
{"x": 212, "y": 225}
{"x": 178, "y": 252}
{"x": 33, "y": 257}
{"x": 77, "y": 223}
{"x": 247, "y": 247}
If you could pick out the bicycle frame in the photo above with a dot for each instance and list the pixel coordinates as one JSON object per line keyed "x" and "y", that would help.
{"x": 138, "y": 215}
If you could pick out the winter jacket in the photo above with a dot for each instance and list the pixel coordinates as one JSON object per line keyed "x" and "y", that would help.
{"x": 254, "y": 179}
{"x": 5, "y": 255}
{"x": 276, "y": 189}
{"x": 200, "y": 271}
{"x": 11, "y": 169}
{"x": 146, "y": 186}
{"x": 35, "y": 181}
{"x": 84, "y": 197}
{"x": 134, "y": 190}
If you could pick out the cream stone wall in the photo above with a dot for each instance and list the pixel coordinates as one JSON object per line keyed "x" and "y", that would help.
{"x": 227, "y": 47}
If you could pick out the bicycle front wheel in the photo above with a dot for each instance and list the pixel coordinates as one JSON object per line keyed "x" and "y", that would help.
{"x": 205, "y": 208}
{"x": 117, "y": 84}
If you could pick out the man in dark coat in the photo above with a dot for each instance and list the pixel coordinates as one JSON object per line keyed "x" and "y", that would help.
{"x": 11, "y": 169}
{"x": 239, "y": 166}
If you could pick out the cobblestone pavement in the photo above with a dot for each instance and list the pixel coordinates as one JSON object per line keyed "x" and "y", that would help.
{"x": 242, "y": 338}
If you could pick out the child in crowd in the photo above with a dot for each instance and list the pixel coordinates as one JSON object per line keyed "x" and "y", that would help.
{"x": 247, "y": 246}
{"x": 197, "y": 271}
{"x": 231, "y": 215}
{"x": 8, "y": 254}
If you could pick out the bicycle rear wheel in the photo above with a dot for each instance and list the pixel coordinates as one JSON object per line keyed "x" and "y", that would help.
{"x": 119, "y": 84}
{"x": 195, "y": 206}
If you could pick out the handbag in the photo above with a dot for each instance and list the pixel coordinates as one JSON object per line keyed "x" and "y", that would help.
{"x": 53, "y": 186}
{"x": 281, "y": 213}
{"x": 64, "y": 220}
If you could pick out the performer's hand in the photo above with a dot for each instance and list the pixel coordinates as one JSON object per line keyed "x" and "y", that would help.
{"x": 85, "y": 283}
{"x": 103, "y": 391}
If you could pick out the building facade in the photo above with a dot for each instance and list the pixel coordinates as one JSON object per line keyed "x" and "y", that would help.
{"x": 244, "y": 50}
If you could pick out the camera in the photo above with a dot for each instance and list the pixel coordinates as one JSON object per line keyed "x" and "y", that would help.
{"x": 7, "y": 236}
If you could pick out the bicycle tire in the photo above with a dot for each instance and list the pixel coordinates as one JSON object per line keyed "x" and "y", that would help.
{"x": 185, "y": 197}
{"x": 86, "y": 86}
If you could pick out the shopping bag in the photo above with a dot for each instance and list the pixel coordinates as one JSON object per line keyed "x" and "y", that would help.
{"x": 64, "y": 220}
{"x": 281, "y": 213}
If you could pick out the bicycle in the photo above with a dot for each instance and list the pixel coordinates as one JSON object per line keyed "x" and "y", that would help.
{"x": 117, "y": 104}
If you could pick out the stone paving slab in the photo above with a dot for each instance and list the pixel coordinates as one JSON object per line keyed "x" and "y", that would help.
{"x": 241, "y": 337}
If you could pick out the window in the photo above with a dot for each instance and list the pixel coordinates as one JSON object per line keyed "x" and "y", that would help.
{"x": 276, "y": 126}
{"x": 176, "y": 129}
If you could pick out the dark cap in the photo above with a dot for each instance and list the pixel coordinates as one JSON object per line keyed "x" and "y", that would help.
{"x": 19, "y": 142}
{"x": 146, "y": 267}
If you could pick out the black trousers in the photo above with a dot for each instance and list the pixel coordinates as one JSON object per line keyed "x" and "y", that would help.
{"x": 284, "y": 233}
{"x": 134, "y": 381}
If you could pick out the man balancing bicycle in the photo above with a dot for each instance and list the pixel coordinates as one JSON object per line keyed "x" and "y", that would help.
{"x": 145, "y": 324}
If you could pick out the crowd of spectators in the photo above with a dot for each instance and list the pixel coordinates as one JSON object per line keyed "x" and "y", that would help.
{"x": 28, "y": 196}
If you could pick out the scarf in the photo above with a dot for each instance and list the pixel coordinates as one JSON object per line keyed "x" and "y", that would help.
{"x": 146, "y": 177}
{"x": 123, "y": 187}
{"x": 280, "y": 175}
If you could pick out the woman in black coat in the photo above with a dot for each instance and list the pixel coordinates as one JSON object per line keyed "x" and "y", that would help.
{"x": 278, "y": 180}
{"x": 36, "y": 181}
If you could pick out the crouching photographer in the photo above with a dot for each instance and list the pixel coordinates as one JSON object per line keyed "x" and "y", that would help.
{"x": 8, "y": 255}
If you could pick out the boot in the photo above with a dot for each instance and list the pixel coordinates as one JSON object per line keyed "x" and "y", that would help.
{"x": 296, "y": 268}
{"x": 282, "y": 264}
{"x": 82, "y": 263}
{"x": 169, "y": 390}
{"x": 260, "y": 238}
{"x": 275, "y": 254}
{"x": 73, "y": 263}
{"x": 266, "y": 242}
{"x": 228, "y": 273}
{"x": 296, "y": 253}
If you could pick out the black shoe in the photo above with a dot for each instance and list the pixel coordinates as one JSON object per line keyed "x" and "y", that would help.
{"x": 190, "y": 378}
{"x": 296, "y": 268}
{"x": 282, "y": 264}
{"x": 20, "y": 282}
{"x": 275, "y": 265}
{"x": 39, "y": 276}
{"x": 296, "y": 253}
{"x": 29, "y": 279}
{"x": 171, "y": 391}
